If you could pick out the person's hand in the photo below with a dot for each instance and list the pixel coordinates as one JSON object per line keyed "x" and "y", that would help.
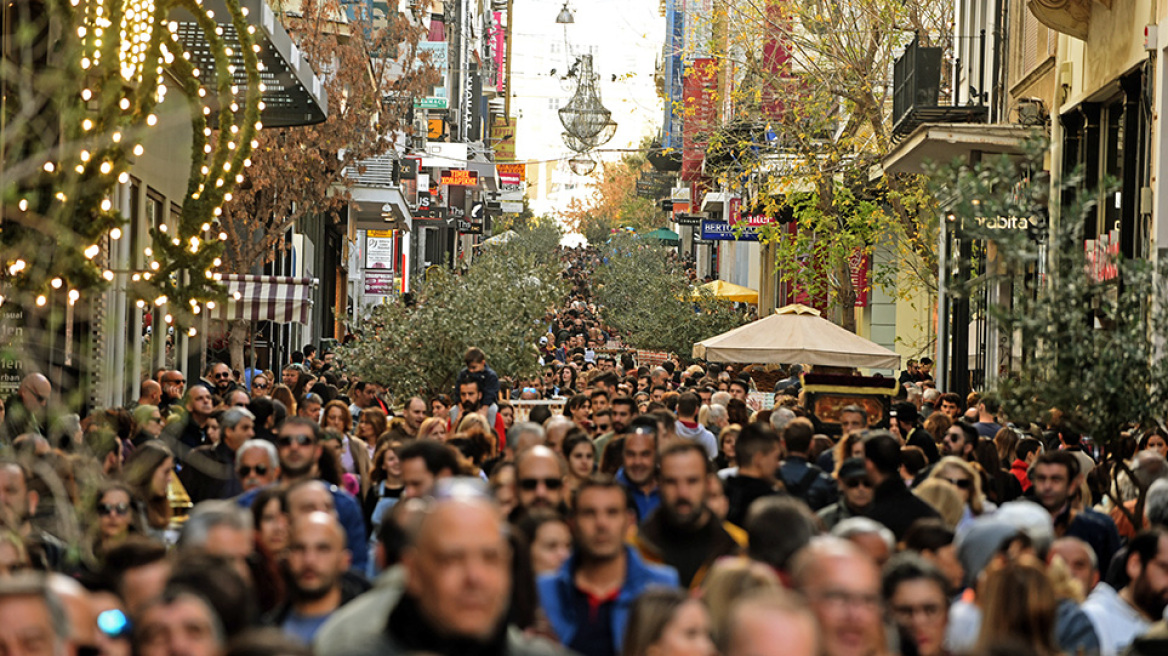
{"x": 754, "y": 403}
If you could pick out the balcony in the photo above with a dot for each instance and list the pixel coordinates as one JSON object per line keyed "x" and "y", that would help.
{"x": 377, "y": 199}
{"x": 916, "y": 95}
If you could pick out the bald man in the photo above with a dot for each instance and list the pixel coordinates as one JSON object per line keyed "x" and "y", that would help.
{"x": 458, "y": 582}
{"x": 317, "y": 562}
{"x": 539, "y": 476}
{"x": 27, "y": 410}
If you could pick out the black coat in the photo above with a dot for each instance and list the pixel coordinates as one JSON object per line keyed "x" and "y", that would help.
{"x": 897, "y": 508}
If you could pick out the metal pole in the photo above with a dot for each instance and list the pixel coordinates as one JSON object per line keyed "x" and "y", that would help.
{"x": 942, "y": 365}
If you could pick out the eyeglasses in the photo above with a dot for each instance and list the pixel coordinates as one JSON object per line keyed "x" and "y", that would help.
{"x": 246, "y": 470}
{"x": 530, "y": 484}
{"x": 961, "y": 483}
{"x": 225, "y": 374}
{"x": 104, "y": 509}
{"x": 853, "y": 483}
{"x": 299, "y": 440}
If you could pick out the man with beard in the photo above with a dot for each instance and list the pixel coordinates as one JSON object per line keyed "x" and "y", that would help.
{"x": 588, "y": 600}
{"x": 539, "y": 477}
{"x": 1055, "y": 479}
{"x": 683, "y": 533}
{"x": 317, "y": 562}
{"x": 298, "y": 445}
{"x": 219, "y": 375}
{"x": 470, "y": 399}
{"x": 1120, "y": 617}
{"x": 623, "y": 409}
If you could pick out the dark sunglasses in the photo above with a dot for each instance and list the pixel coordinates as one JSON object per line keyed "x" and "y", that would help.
{"x": 961, "y": 483}
{"x": 180, "y": 381}
{"x": 530, "y": 484}
{"x": 246, "y": 470}
{"x": 223, "y": 375}
{"x": 299, "y": 440}
{"x": 260, "y": 385}
{"x": 104, "y": 509}
{"x": 853, "y": 483}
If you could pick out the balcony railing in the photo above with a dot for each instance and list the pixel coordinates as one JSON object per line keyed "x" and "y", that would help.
{"x": 917, "y": 97}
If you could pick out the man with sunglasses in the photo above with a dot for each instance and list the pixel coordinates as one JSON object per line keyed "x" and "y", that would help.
{"x": 539, "y": 477}
{"x": 27, "y": 410}
{"x": 856, "y": 494}
{"x": 257, "y": 464}
{"x": 173, "y": 387}
{"x": 299, "y": 447}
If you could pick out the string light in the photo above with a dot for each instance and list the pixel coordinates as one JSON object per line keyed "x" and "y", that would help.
{"x": 55, "y": 283}
{"x": 41, "y": 300}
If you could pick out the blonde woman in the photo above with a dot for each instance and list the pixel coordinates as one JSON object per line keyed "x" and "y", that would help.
{"x": 961, "y": 475}
{"x": 433, "y": 428}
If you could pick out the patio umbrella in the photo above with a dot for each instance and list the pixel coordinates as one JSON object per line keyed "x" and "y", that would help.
{"x": 729, "y": 291}
{"x": 796, "y": 333}
{"x": 664, "y": 235}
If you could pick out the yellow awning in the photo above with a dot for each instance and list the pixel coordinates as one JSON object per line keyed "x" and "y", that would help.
{"x": 729, "y": 291}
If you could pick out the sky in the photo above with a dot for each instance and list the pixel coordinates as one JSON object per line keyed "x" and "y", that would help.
{"x": 625, "y": 38}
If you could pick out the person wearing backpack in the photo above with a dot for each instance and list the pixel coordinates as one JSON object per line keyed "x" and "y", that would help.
{"x": 804, "y": 479}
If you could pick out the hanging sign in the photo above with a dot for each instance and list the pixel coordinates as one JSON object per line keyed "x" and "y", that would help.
{"x": 459, "y": 178}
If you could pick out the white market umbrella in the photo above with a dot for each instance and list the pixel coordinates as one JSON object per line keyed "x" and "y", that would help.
{"x": 796, "y": 333}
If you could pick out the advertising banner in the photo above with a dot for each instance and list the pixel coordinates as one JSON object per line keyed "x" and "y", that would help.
{"x": 722, "y": 231}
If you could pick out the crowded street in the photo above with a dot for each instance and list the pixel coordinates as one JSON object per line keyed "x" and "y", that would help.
{"x": 606, "y": 328}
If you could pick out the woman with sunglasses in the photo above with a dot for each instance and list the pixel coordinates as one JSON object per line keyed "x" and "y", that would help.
{"x": 113, "y": 521}
{"x": 962, "y": 475}
{"x": 260, "y": 386}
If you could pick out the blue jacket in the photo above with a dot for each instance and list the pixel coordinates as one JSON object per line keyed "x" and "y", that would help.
{"x": 557, "y": 589}
{"x": 348, "y": 513}
{"x": 646, "y": 502}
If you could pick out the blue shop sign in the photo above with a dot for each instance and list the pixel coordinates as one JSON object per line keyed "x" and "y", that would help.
{"x": 721, "y": 231}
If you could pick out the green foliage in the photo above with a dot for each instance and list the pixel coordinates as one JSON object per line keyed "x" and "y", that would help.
{"x": 644, "y": 294}
{"x": 1090, "y": 333}
{"x": 498, "y": 305}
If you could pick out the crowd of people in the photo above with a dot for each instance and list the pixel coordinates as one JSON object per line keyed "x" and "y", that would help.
{"x": 662, "y": 513}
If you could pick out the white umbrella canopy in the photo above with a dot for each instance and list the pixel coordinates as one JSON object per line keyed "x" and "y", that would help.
{"x": 796, "y": 333}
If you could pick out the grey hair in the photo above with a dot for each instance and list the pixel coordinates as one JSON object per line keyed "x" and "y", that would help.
{"x": 932, "y": 394}
{"x": 716, "y": 413}
{"x": 914, "y": 393}
{"x": 1082, "y": 544}
{"x": 206, "y": 515}
{"x": 854, "y": 526}
{"x": 522, "y": 428}
{"x": 232, "y": 417}
{"x": 720, "y": 398}
{"x": 268, "y": 448}
{"x": 1156, "y": 503}
{"x": 781, "y": 417}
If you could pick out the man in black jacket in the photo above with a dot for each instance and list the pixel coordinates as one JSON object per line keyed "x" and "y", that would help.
{"x": 894, "y": 505}
{"x": 905, "y": 415}
{"x": 758, "y": 460}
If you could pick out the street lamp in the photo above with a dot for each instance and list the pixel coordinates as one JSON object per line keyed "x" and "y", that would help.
{"x": 565, "y": 16}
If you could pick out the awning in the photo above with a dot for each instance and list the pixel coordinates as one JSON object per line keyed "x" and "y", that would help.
{"x": 293, "y": 94}
{"x": 942, "y": 142}
{"x": 282, "y": 299}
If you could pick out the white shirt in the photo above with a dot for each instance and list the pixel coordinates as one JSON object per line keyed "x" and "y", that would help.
{"x": 1116, "y": 623}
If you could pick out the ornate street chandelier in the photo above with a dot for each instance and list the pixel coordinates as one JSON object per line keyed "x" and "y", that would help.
{"x": 585, "y": 117}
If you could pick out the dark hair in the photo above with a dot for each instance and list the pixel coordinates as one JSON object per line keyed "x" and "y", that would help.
{"x": 573, "y": 438}
{"x": 1063, "y": 458}
{"x": 913, "y": 458}
{"x": 883, "y": 451}
{"x": 261, "y": 501}
{"x": 688, "y": 404}
{"x": 575, "y": 403}
{"x": 928, "y": 534}
{"x": 778, "y": 527}
{"x": 1146, "y": 544}
{"x": 1026, "y": 446}
{"x": 683, "y": 447}
{"x": 969, "y": 434}
{"x": 626, "y": 401}
{"x": 539, "y": 414}
{"x": 133, "y": 552}
{"x": 905, "y": 567}
{"x": 797, "y": 435}
{"x": 950, "y": 397}
{"x": 854, "y": 409}
{"x": 741, "y": 383}
{"x": 991, "y": 404}
{"x": 436, "y": 455}
{"x": 474, "y": 355}
{"x": 226, "y": 592}
{"x": 755, "y": 439}
{"x": 608, "y": 379}
{"x": 602, "y": 482}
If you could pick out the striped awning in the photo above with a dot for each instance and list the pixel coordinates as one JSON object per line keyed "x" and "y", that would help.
{"x": 281, "y": 299}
